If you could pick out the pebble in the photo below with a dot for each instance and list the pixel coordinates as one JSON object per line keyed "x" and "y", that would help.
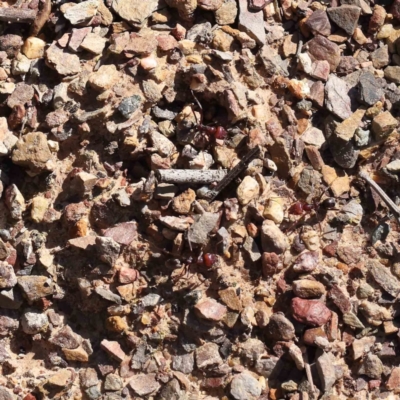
{"x": 245, "y": 387}
{"x": 79, "y": 13}
{"x": 272, "y": 238}
{"x": 320, "y": 48}
{"x": 274, "y": 211}
{"x": 383, "y": 124}
{"x": 207, "y": 356}
{"x": 318, "y": 23}
{"x": 383, "y": 277}
{"x": 362, "y": 137}
{"x": 248, "y": 190}
{"x": 210, "y": 309}
{"x": 251, "y": 22}
{"x": 326, "y": 370}
{"x": 113, "y": 349}
{"x": 352, "y": 212}
{"x": 227, "y": 13}
{"x": 393, "y": 382}
{"x": 371, "y": 366}
{"x": 314, "y": 137}
{"x": 345, "y": 17}
{"x": 370, "y": 91}
{"x": 380, "y": 57}
{"x": 104, "y": 78}
{"x": 34, "y": 322}
{"x": 35, "y": 287}
{"x": 7, "y": 275}
{"x": 63, "y": 62}
{"x": 306, "y": 262}
{"x": 93, "y": 43}
{"x": 183, "y": 363}
{"x": 310, "y": 312}
{"x": 144, "y": 384}
{"x": 336, "y": 97}
{"x": 280, "y": 328}
{"x": 135, "y": 12}
{"x": 348, "y": 127}
{"x": 308, "y": 289}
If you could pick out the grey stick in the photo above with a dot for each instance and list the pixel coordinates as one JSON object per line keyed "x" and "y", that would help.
{"x": 193, "y": 176}
{"x": 386, "y": 199}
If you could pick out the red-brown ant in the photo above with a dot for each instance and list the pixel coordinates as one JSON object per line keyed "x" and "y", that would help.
{"x": 218, "y": 132}
{"x": 301, "y": 207}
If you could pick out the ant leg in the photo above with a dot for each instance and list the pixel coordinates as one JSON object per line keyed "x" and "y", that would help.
{"x": 200, "y": 107}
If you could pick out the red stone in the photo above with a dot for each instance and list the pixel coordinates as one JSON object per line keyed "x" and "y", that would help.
{"x": 127, "y": 275}
{"x": 310, "y": 312}
{"x": 113, "y": 349}
{"x": 123, "y": 233}
{"x": 210, "y": 309}
{"x": 166, "y": 42}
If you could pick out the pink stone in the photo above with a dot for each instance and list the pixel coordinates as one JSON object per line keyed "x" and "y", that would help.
{"x": 210, "y": 309}
{"x": 310, "y": 312}
{"x": 257, "y": 5}
{"x": 127, "y": 275}
{"x": 320, "y": 70}
{"x": 82, "y": 242}
{"x": 113, "y": 349}
{"x": 77, "y": 37}
{"x": 166, "y": 42}
{"x": 123, "y": 233}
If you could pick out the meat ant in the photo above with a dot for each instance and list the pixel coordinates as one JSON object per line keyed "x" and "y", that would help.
{"x": 303, "y": 208}
{"x": 218, "y": 132}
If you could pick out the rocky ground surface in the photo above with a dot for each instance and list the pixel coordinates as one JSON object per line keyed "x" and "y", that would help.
{"x": 122, "y": 279}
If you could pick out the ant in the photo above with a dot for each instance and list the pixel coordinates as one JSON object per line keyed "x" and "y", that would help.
{"x": 218, "y": 132}
{"x": 304, "y": 209}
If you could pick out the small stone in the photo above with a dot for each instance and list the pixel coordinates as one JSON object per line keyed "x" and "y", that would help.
{"x": 362, "y": 137}
{"x": 113, "y": 349}
{"x": 230, "y": 298}
{"x": 272, "y": 238}
{"x": 320, "y": 48}
{"x": 370, "y": 91}
{"x": 22, "y": 94}
{"x": 311, "y": 240}
{"x": 371, "y": 366}
{"x": 77, "y": 37}
{"x": 345, "y": 17}
{"x": 113, "y": 383}
{"x": 362, "y": 346}
{"x": 104, "y": 78}
{"x": 280, "y": 328}
{"x": 203, "y": 224}
{"x": 383, "y": 277}
{"x": 336, "y": 96}
{"x": 383, "y": 124}
{"x": 65, "y": 338}
{"x": 124, "y": 233}
{"x": 251, "y": 22}
{"x": 380, "y": 57}
{"x": 210, "y": 309}
{"x": 374, "y": 313}
{"x": 63, "y": 62}
{"x": 289, "y": 46}
{"x": 135, "y": 12}
{"x": 274, "y": 211}
{"x": 352, "y": 212}
{"x": 93, "y": 43}
{"x": 308, "y": 289}
{"x": 34, "y": 322}
{"x": 82, "y": 12}
{"x": 144, "y": 384}
{"x": 184, "y": 363}
{"x": 227, "y": 13}
{"x": 393, "y": 382}
{"x": 326, "y": 370}
{"x": 310, "y": 312}
{"x": 245, "y": 387}
{"x": 108, "y": 295}
{"x": 320, "y": 70}
{"x": 207, "y": 356}
{"x": 129, "y": 105}
{"x": 11, "y": 44}
{"x": 247, "y": 190}
{"x": 347, "y": 128}
{"x": 318, "y": 23}
{"x": 33, "y": 47}
{"x": 182, "y": 204}
{"x": 32, "y": 151}
{"x": 392, "y": 73}
{"x": 7, "y": 275}
{"x": 35, "y": 287}
{"x": 78, "y": 354}
{"x": 306, "y": 262}
{"x": 314, "y": 137}
{"x": 345, "y": 155}
{"x": 108, "y": 249}
{"x": 352, "y": 320}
